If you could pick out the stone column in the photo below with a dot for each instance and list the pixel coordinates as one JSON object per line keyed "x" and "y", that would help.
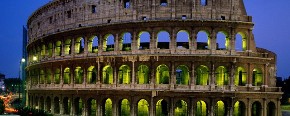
{"x": 173, "y": 42}
{"x": 152, "y": 80}
{"x": 133, "y": 74}
{"x": 232, "y": 76}
{"x": 72, "y": 74}
{"x": 132, "y": 107}
{"x": 99, "y": 79}
{"x": 84, "y": 108}
{"x": 173, "y": 76}
{"x": 211, "y": 107}
{"x": 117, "y": 41}
{"x": 134, "y": 44}
{"x": 85, "y": 76}
{"x": 152, "y": 108}
{"x": 100, "y": 45}
{"x": 265, "y": 75}
{"x": 212, "y": 76}
{"x": 192, "y": 77}
{"x": 171, "y": 107}
{"x": 191, "y": 107}
{"x": 249, "y": 75}
{"x": 72, "y": 109}
{"x": 264, "y": 108}
{"x": 232, "y": 42}
{"x": 86, "y": 38}
{"x": 72, "y": 47}
{"x": 153, "y": 45}
{"x": 212, "y": 41}
{"x": 115, "y": 108}
{"x": 61, "y": 108}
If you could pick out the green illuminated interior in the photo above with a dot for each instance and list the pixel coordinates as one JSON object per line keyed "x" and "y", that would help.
{"x": 57, "y": 50}
{"x": 67, "y": 47}
{"x": 49, "y": 49}
{"x": 201, "y": 109}
{"x": 92, "y": 104}
{"x": 222, "y": 76}
{"x": 162, "y": 74}
{"x": 57, "y": 76}
{"x": 220, "y": 109}
{"x": 244, "y": 40}
{"x": 78, "y": 106}
{"x": 48, "y": 75}
{"x": 143, "y": 74}
{"x": 79, "y": 75}
{"x": 92, "y": 48}
{"x": 257, "y": 77}
{"x": 202, "y": 75}
{"x": 125, "y": 107}
{"x": 180, "y": 108}
{"x": 91, "y": 75}
{"x": 240, "y": 77}
{"x": 143, "y": 108}
{"x": 43, "y": 48}
{"x": 107, "y": 75}
{"x": 239, "y": 109}
{"x": 124, "y": 74}
{"x": 42, "y": 77}
{"x": 182, "y": 75}
{"x": 66, "y": 76}
{"x": 78, "y": 45}
{"x": 108, "y": 108}
{"x": 161, "y": 108}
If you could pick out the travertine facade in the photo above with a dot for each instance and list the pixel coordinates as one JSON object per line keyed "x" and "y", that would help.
{"x": 148, "y": 57}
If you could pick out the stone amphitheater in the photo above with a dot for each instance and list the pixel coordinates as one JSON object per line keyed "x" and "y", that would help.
{"x": 148, "y": 58}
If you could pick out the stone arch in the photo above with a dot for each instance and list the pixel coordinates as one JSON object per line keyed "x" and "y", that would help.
{"x": 182, "y": 75}
{"x": 143, "y": 74}
{"x": 201, "y": 108}
{"x": 240, "y": 77}
{"x": 241, "y": 41}
{"x": 239, "y": 109}
{"x": 57, "y": 48}
{"x": 109, "y": 42}
{"x": 124, "y": 107}
{"x": 257, "y": 77}
{"x": 203, "y": 40}
{"x": 125, "y": 44}
{"x": 48, "y": 104}
{"x": 256, "y": 109}
{"x": 79, "y": 45}
{"x": 161, "y": 108}
{"x": 271, "y": 109}
{"x": 42, "y": 76}
{"x": 66, "y": 76}
{"x": 79, "y": 75}
{"x": 92, "y": 107}
{"x": 78, "y": 106}
{"x": 222, "y": 41}
{"x": 56, "y": 105}
{"x": 93, "y": 44}
{"x": 143, "y": 41}
{"x": 163, "y": 40}
{"x": 107, "y": 107}
{"x": 162, "y": 74}
{"x": 48, "y": 76}
{"x": 124, "y": 74}
{"x": 222, "y": 76}
{"x": 202, "y": 75}
{"x": 220, "y": 109}
{"x": 92, "y": 75}
{"x": 66, "y": 105}
{"x": 67, "y": 47}
{"x": 180, "y": 108}
{"x": 107, "y": 75}
{"x": 57, "y": 76}
{"x": 182, "y": 39}
{"x": 163, "y": 3}
{"x": 143, "y": 108}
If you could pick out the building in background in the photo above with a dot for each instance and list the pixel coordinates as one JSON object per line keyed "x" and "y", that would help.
{"x": 2, "y": 84}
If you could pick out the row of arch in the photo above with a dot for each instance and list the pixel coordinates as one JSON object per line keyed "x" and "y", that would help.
{"x": 127, "y": 42}
{"x": 163, "y": 75}
{"x": 142, "y": 108}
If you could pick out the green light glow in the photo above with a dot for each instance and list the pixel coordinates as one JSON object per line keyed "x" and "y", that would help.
{"x": 108, "y": 108}
{"x": 67, "y": 47}
{"x": 42, "y": 77}
{"x": 78, "y": 45}
{"x": 257, "y": 77}
{"x": 220, "y": 109}
{"x": 91, "y": 75}
{"x": 143, "y": 108}
{"x": 48, "y": 75}
{"x": 124, "y": 75}
{"x": 240, "y": 77}
{"x": 202, "y": 75}
{"x": 125, "y": 108}
{"x": 92, "y": 104}
{"x": 221, "y": 76}
{"x": 57, "y": 50}
{"x": 201, "y": 109}
{"x": 143, "y": 74}
{"x": 66, "y": 76}
{"x": 57, "y": 76}
{"x": 161, "y": 108}
{"x": 162, "y": 74}
{"x": 181, "y": 108}
{"x": 239, "y": 109}
{"x": 79, "y": 75}
{"x": 182, "y": 75}
{"x": 107, "y": 75}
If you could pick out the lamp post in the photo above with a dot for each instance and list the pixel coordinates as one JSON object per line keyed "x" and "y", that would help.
{"x": 20, "y": 74}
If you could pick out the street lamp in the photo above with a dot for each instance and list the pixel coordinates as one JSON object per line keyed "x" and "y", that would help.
{"x": 22, "y": 61}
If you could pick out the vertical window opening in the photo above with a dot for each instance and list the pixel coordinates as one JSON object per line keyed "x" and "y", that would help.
{"x": 144, "y": 18}
{"x": 163, "y": 3}
{"x": 203, "y": 2}
{"x": 109, "y": 21}
{"x": 50, "y": 20}
{"x": 223, "y": 18}
{"x": 93, "y": 8}
{"x": 126, "y": 3}
{"x": 68, "y": 14}
{"x": 183, "y": 17}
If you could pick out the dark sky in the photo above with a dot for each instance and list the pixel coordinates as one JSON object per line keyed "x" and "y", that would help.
{"x": 271, "y": 18}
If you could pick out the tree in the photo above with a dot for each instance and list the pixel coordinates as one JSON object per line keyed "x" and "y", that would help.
{"x": 2, "y": 107}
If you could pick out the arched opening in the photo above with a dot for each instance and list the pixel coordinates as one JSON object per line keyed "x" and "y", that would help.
{"x": 201, "y": 108}
{"x": 126, "y": 3}
{"x": 143, "y": 108}
{"x": 48, "y": 104}
{"x": 203, "y": 2}
{"x": 41, "y": 101}
{"x": 78, "y": 103}
{"x": 79, "y": 75}
{"x": 222, "y": 77}
{"x": 182, "y": 40}
{"x": 241, "y": 42}
{"x": 162, "y": 74}
{"x": 202, "y": 75}
{"x": 161, "y": 108}
{"x": 240, "y": 77}
{"x": 91, "y": 75}
{"x": 222, "y": 41}
{"x": 109, "y": 43}
{"x": 124, "y": 108}
{"x": 163, "y": 40}
{"x": 57, "y": 49}
{"x": 43, "y": 51}
{"x": 163, "y": 3}
{"x": 93, "y": 44}
{"x": 66, "y": 76}
{"x": 257, "y": 77}
{"x": 182, "y": 75}
{"x": 180, "y": 108}
{"x": 49, "y": 49}
{"x": 271, "y": 109}
{"x": 220, "y": 109}
{"x": 92, "y": 107}
{"x": 36, "y": 105}
{"x": 107, "y": 110}
{"x": 57, "y": 76}
{"x": 126, "y": 42}
{"x": 107, "y": 75}
{"x": 56, "y": 105}
{"x": 239, "y": 109}
{"x": 48, "y": 76}
{"x": 256, "y": 109}
{"x": 66, "y": 105}
{"x": 143, "y": 40}
{"x": 143, "y": 75}
{"x": 42, "y": 77}
{"x": 203, "y": 40}
{"x": 124, "y": 74}
{"x": 67, "y": 47}
{"x": 79, "y": 45}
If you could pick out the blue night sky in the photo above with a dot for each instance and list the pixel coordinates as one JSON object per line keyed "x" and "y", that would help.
{"x": 271, "y": 19}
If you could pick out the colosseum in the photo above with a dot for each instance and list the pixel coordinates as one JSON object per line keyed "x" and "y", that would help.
{"x": 148, "y": 58}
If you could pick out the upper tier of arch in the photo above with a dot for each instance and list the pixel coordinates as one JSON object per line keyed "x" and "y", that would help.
{"x": 64, "y": 15}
